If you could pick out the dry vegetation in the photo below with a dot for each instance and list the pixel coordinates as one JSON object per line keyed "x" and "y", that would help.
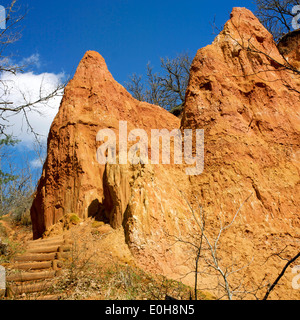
{"x": 99, "y": 267}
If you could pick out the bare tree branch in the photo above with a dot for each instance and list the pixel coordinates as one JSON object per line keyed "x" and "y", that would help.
{"x": 7, "y": 107}
{"x": 272, "y": 287}
{"x": 276, "y": 15}
{"x": 166, "y": 88}
{"x": 206, "y": 247}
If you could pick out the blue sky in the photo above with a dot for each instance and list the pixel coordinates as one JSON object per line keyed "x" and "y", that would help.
{"x": 127, "y": 33}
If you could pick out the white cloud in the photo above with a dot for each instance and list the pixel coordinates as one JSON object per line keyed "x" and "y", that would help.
{"x": 32, "y": 61}
{"x": 27, "y": 87}
{"x": 37, "y": 163}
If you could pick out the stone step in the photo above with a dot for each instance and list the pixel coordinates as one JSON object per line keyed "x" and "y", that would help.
{"x": 49, "y": 298}
{"x": 42, "y": 262}
{"x": 36, "y": 265}
{"x": 30, "y": 276}
{"x": 58, "y": 238}
{"x": 48, "y": 244}
{"x": 49, "y": 249}
{"x": 17, "y": 290}
{"x": 62, "y": 255}
{"x": 37, "y": 257}
{"x": 43, "y": 249}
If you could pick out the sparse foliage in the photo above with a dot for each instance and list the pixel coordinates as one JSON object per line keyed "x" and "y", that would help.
{"x": 16, "y": 184}
{"x": 4, "y": 176}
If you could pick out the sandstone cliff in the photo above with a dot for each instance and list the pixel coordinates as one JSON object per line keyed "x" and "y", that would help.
{"x": 248, "y": 105}
{"x": 72, "y": 180}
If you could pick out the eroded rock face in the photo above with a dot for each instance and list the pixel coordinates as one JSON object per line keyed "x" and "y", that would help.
{"x": 72, "y": 179}
{"x": 248, "y": 106}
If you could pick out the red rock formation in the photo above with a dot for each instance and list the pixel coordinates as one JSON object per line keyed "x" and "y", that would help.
{"x": 248, "y": 106}
{"x": 72, "y": 179}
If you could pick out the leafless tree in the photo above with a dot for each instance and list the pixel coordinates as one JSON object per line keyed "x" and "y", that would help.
{"x": 136, "y": 87}
{"x": 175, "y": 81}
{"x": 282, "y": 272}
{"x": 154, "y": 93}
{"x": 276, "y": 15}
{"x": 166, "y": 88}
{"x": 8, "y": 36}
{"x": 16, "y": 181}
{"x": 208, "y": 251}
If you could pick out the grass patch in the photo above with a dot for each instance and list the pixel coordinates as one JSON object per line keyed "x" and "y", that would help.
{"x": 74, "y": 219}
{"x": 97, "y": 224}
{"x": 119, "y": 282}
